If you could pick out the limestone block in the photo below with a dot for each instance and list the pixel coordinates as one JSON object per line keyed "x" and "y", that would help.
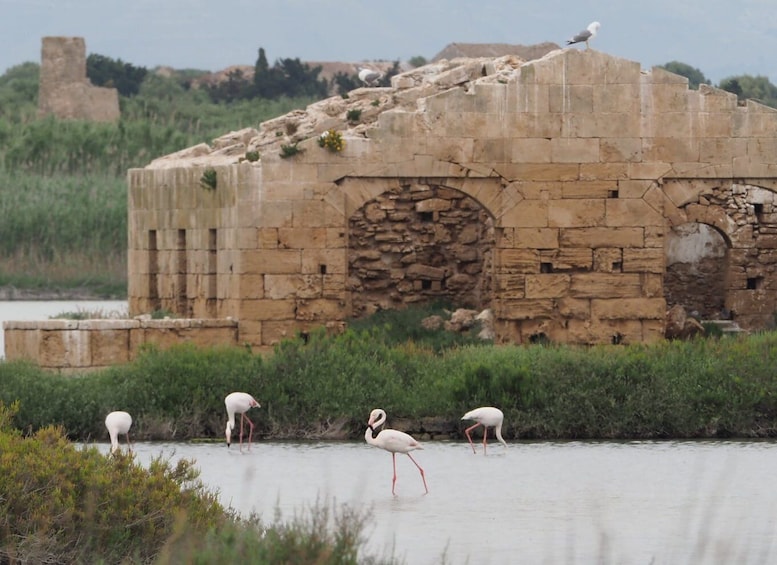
{"x": 633, "y": 188}
{"x": 251, "y": 286}
{"x": 601, "y": 237}
{"x": 606, "y": 172}
{"x": 425, "y": 272}
{"x": 324, "y": 261}
{"x": 21, "y": 343}
{"x": 530, "y": 150}
{"x": 547, "y": 285}
{"x": 625, "y": 212}
{"x": 533, "y": 238}
{"x": 510, "y": 285}
{"x": 610, "y": 285}
{"x": 571, "y": 98}
{"x": 670, "y": 149}
{"x": 69, "y": 348}
{"x": 574, "y": 308}
{"x": 302, "y": 238}
{"x": 583, "y": 212}
{"x": 552, "y": 172}
{"x": 628, "y": 308}
{"x": 616, "y": 98}
{"x": 608, "y": 260}
{"x": 262, "y": 310}
{"x": 490, "y": 150}
{"x": 275, "y": 214}
{"x": 644, "y": 260}
{"x": 319, "y": 310}
{"x": 620, "y": 150}
{"x": 275, "y": 261}
{"x": 279, "y": 287}
{"x": 274, "y": 331}
{"x": 615, "y": 125}
{"x": 527, "y": 214}
{"x": 668, "y": 97}
{"x": 574, "y": 150}
{"x": 568, "y": 259}
{"x": 517, "y": 261}
{"x": 524, "y": 309}
{"x": 110, "y": 346}
{"x": 713, "y": 99}
{"x": 650, "y": 170}
{"x": 588, "y": 189}
{"x": 534, "y": 124}
{"x": 535, "y": 98}
{"x": 312, "y": 213}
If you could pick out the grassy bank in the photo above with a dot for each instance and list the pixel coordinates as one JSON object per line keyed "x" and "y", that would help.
{"x": 326, "y": 388}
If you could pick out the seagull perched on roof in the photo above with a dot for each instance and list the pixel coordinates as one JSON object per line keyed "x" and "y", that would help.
{"x": 369, "y": 77}
{"x": 586, "y": 35}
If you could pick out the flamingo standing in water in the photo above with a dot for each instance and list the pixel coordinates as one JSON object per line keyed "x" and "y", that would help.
{"x": 118, "y": 422}
{"x": 488, "y": 417}
{"x": 392, "y": 441}
{"x": 239, "y": 403}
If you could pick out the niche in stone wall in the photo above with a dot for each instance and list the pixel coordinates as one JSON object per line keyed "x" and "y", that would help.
{"x": 696, "y": 270}
{"x": 420, "y": 243}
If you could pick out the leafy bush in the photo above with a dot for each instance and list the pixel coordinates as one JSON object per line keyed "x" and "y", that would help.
{"x": 60, "y": 504}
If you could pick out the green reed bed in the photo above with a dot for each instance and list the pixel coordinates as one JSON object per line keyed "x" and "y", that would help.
{"x": 63, "y": 232}
{"x": 325, "y": 387}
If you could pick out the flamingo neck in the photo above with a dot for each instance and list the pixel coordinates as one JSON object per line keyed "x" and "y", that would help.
{"x": 498, "y": 432}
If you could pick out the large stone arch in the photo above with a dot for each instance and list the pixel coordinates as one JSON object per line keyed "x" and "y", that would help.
{"x": 697, "y": 269}
{"x": 417, "y": 240}
{"x": 741, "y": 284}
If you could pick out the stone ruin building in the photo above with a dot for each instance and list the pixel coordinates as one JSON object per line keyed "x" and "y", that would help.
{"x": 65, "y": 91}
{"x": 576, "y": 196}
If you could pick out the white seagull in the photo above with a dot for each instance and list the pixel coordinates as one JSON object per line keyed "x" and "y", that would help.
{"x": 586, "y": 35}
{"x": 369, "y": 77}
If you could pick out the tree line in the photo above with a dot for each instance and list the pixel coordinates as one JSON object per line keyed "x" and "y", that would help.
{"x": 286, "y": 77}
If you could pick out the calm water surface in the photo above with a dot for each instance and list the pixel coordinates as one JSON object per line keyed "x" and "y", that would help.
{"x": 30, "y": 310}
{"x": 577, "y": 502}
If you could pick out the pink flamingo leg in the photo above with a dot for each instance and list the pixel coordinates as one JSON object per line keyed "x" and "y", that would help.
{"x": 394, "y": 479}
{"x": 250, "y": 428}
{"x": 423, "y": 475}
{"x": 485, "y": 437}
{"x": 467, "y": 431}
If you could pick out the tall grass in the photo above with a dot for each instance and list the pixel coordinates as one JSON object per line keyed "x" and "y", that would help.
{"x": 68, "y": 231}
{"x": 63, "y": 203}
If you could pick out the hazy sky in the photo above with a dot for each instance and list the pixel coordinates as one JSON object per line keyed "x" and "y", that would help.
{"x": 721, "y": 38}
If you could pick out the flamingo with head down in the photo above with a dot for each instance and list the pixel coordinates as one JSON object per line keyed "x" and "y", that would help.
{"x": 239, "y": 403}
{"x": 488, "y": 417}
{"x": 117, "y": 423}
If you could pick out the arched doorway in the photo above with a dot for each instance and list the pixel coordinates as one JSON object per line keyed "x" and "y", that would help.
{"x": 417, "y": 243}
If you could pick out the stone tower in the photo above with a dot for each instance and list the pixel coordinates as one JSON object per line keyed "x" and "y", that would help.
{"x": 65, "y": 91}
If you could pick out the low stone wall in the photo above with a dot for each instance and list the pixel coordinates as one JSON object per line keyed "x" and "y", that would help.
{"x": 79, "y": 345}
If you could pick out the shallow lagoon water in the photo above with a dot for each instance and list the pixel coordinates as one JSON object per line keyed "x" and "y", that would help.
{"x": 544, "y": 502}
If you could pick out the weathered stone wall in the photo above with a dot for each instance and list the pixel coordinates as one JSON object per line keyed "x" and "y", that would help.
{"x": 575, "y": 165}
{"x": 75, "y": 346}
{"x": 544, "y": 190}
{"x": 65, "y": 91}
